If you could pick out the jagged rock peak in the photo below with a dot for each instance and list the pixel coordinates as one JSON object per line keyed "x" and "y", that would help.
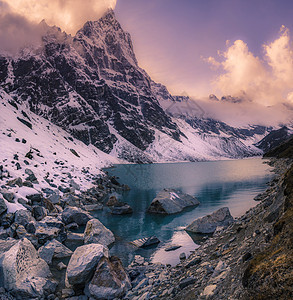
{"x": 108, "y": 30}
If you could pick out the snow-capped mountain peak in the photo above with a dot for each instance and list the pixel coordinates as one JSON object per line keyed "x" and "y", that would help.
{"x": 91, "y": 86}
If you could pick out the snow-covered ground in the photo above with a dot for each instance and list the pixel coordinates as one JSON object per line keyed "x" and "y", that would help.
{"x": 55, "y": 154}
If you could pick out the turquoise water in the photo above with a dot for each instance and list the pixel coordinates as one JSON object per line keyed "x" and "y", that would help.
{"x": 232, "y": 183}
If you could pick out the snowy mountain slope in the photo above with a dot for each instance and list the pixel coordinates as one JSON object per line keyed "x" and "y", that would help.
{"x": 91, "y": 86}
{"x": 29, "y": 141}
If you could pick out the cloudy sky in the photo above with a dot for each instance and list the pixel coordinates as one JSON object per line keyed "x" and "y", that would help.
{"x": 174, "y": 39}
{"x": 195, "y": 47}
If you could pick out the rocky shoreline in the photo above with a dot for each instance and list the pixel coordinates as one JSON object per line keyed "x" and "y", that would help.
{"x": 33, "y": 247}
{"x": 219, "y": 268}
{"x": 42, "y": 233}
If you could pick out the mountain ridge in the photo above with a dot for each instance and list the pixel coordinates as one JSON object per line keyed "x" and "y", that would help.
{"x": 91, "y": 86}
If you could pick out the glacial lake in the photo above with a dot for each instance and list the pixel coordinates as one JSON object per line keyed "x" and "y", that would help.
{"x": 216, "y": 184}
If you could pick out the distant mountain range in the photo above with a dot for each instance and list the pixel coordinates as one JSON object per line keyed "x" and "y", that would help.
{"x": 92, "y": 87}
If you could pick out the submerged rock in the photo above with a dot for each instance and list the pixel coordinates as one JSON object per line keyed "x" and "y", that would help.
{"x": 109, "y": 281}
{"x": 96, "y": 232}
{"x": 169, "y": 201}
{"x": 83, "y": 262}
{"x": 209, "y": 223}
{"x": 172, "y": 247}
{"x": 121, "y": 209}
{"x": 112, "y": 201}
{"x": 146, "y": 242}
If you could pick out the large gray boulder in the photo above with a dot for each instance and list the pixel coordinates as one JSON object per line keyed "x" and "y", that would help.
{"x": 109, "y": 281}
{"x": 169, "y": 201}
{"x": 209, "y": 223}
{"x": 24, "y": 273}
{"x": 83, "y": 263}
{"x": 96, "y": 232}
{"x": 75, "y": 215}
{"x": 54, "y": 249}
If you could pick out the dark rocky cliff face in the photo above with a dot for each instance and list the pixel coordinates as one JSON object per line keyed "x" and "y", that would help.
{"x": 90, "y": 85}
{"x": 274, "y": 139}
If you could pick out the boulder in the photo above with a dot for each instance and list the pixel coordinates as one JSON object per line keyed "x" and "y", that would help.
{"x": 75, "y": 215}
{"x": 52, "y": 222}
{"x": 169, "y": 201}
{"x": 50, "y": 228}
{"x": 54, "y": 249}
{"x": 112, "y": 201}
{"x": 35, "y": 198}
{"x": 20, "y": 231}
{"x": 23, "y": 217}
{"x": 3, "y": 207}
{"x": 45, "y": 233}
{"x": 96, "y": 232}
{"x": 109, "y": 281}
{"x": 23, "y": 273}
{"x": 83, "y": 263}
{"x": 14, "y": 182}
{"x": 31, "y": 176}
{"x": 209, "y": 223}
{"x": 8, "y": 196}
{"x": 39, "y": 212}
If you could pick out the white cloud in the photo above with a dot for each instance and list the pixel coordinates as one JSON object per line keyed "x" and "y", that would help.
{"x": 267, "y": 80}
{"x": 19, "y": 19}
{"x": 70, "y": 15}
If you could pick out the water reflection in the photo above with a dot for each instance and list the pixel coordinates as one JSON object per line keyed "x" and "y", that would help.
{"x": 215, "y": 184}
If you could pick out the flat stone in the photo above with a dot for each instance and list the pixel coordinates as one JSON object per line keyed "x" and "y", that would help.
{"x": 186, "y": 282}
{"x": 146, "y": 242}
{"x": 93, "y": 207}
{"x": 124, "y": 209}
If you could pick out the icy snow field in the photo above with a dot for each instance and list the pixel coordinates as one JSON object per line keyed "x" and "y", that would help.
{"x": 50, "y": 147}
